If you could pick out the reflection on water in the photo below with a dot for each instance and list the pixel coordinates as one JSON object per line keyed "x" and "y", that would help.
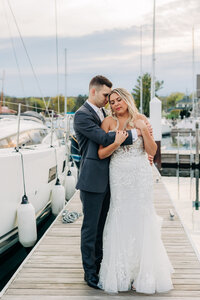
{"x": 183, "y": 188}
{"x": 175, "y": 142}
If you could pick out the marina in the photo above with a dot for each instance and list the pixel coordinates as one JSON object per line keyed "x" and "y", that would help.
{"x": 181, "y": 147}
{"x": 39, "y": 151}
{"x": 53, "y": 269}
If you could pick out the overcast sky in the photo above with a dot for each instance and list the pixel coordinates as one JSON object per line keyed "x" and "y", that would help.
{"x": 101, "y": 37}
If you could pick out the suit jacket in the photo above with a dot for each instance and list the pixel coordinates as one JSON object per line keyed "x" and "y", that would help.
{"x": 94, "y": 172}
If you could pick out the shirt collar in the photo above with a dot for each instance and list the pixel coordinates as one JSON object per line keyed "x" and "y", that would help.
{"x": 96, "y": 109}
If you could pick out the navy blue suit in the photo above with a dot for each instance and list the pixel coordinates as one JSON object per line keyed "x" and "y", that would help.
{"x": 93, "y": 182}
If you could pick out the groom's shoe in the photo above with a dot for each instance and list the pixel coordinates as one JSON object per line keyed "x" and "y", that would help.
{"x": 91, "y": 280}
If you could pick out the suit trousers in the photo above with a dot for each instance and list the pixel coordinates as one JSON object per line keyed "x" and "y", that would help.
{"x": 95, "y": 208}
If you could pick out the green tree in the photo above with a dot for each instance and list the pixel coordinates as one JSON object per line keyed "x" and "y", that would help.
{"x": 146, "y": 84}
{"x": 79, "y": 101}
{"x": 172, "y": 99}
{"x": 71, "y": 104}
{"x": 36, "y": 103}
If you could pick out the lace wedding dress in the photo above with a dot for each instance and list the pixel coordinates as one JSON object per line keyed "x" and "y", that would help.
{"x": 132, "y": 245}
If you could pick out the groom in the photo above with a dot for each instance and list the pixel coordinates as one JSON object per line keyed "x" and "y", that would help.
{"x": 93, "y": 180}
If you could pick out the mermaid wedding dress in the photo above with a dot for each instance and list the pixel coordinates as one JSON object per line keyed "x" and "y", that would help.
{"x": 132, "y": 247}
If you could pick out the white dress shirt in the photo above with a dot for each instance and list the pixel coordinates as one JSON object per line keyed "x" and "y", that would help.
{"x": 99, "y": 112}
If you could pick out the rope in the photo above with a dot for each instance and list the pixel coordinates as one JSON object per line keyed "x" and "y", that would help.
{"x": 23, "y": 173}
{"x": 75, "y": 148}
{"x": 74, "y": 138}
{"x": 25, "y": 105}
{"x": 29, "y": 106}
{"x": 57, "y": 56}
{"x": 14, "y": 51}
{"x": 70, "y": 217}
{"x": 34, "y": 74}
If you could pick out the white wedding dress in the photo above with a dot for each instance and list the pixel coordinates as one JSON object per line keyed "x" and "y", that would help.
{"x": 132, "y": 245}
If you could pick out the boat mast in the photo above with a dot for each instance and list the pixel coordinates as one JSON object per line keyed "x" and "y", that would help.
{"x": 141, "y": 83}
{"x": 2, "y": 87}
{"x": 193, "y": 74}
{"x": 153, "y": 56}
{"x": 56, "y": 23}
{"x": 65, "y": 81}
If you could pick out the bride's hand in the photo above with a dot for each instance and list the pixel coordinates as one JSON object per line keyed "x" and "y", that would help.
{"x": 120, "y": 137}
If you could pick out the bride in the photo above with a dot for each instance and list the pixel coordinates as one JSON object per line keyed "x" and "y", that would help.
{"x": 133, "y": 253}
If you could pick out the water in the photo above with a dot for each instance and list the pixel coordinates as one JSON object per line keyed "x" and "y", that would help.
{"x": 171, "y": 143}
{"x": 10, "y": 261}
{"x": 183, "y": 188}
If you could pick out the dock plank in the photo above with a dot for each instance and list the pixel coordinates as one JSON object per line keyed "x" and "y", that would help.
{"x": 54, "y": 269}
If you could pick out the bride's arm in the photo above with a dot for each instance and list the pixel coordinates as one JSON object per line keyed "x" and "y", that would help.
{"x": 149, "y": 143}
{"x": 120, "y": 137}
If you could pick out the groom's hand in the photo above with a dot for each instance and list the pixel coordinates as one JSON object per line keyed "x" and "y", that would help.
{"x": 149, "y": 127}
{"x": 150, "y": 159}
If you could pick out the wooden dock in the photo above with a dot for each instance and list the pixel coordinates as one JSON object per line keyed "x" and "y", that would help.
{"x": 175, "y": 157}
{"x": 53, "y": 269}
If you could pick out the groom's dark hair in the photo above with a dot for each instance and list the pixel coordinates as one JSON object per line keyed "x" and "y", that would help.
{"x": 100, "y": 80}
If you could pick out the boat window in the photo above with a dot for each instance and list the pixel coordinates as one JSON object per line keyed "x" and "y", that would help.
{"x": 4, "y": 143}
{"x": 24, "y": 139}
{"x": 35, "y": 136}
{"x": 31, "y": 137}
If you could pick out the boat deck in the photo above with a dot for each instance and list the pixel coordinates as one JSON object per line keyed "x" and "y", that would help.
{"x": 53, "y": 269}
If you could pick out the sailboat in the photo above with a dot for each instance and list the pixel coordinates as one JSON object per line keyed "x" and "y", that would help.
{"x": 32, "y": 159}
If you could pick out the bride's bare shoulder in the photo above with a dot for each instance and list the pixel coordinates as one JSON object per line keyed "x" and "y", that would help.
{"x": 107, "y": 123}
{"x": 108, "y": 120}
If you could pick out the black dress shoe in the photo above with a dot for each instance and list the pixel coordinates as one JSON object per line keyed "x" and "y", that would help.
{"x": 92, "y": 280}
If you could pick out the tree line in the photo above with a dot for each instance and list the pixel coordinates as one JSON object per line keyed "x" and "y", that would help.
{"x": 37, "y": 104}
{"x": 73, "y": 103}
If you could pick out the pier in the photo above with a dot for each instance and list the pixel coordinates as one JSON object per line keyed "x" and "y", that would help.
{"x": 53, "y": 269}
{"x": 187, "y": 157}
{"x": 176, "y": 157}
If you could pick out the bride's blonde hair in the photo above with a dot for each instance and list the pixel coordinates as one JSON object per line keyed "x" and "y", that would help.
{"x": 132, "y": 109}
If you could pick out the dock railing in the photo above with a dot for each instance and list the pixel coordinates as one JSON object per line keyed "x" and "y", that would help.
{"x": 193, "y": 151}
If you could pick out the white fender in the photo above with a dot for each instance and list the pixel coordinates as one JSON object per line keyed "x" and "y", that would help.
{"x": 57, "y": 198}
{"x": 27, "y": 230}
{"x": 74, "y": 171}
{"x": 69, "y": 185}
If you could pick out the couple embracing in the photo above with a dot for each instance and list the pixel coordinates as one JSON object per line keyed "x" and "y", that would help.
{"x": 121, "y": 242}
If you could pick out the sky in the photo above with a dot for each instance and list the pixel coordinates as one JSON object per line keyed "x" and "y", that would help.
{"x": 100, "y": 38}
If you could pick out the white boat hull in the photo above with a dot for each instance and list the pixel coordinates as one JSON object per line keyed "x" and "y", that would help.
{"x": 40, "y": 172}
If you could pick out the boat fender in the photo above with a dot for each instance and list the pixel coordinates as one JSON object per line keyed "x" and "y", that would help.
{"x": 27, "y": 230}
{"x": 57, "y": 198}
{"x": 70, "y": 184}
{"x": 74, "y": 171}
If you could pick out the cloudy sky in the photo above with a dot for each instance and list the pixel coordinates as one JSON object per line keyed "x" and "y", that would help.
{"x": 101, "y": 37}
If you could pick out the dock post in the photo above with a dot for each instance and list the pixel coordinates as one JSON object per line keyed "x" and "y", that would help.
{"x": 177, "y": 154}
{"x": 196, "y": 202}
{"x": 155, "y": 119}
{"x": 191, "y": 156}
{"x": 197, "y": 144}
